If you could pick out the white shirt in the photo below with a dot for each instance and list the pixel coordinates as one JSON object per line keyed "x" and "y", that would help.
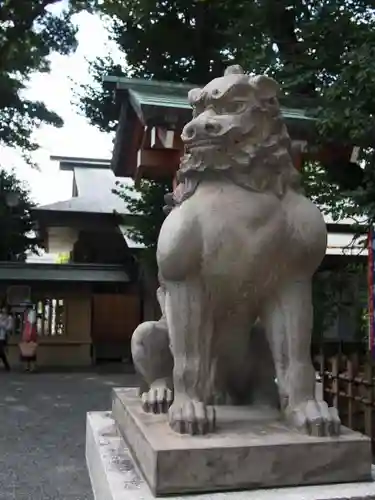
{"x": 31, "y": 316}
{"x": 6, "y": 324}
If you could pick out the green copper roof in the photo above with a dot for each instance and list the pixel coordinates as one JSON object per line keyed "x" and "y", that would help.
{"x": 296, "y": 114}
{"x": 152, "y": 93}
{"x": 162, "y": 99}
{"x": 153, "y": 86}
{"x": 156, "y": 103}
{"x": 180, "y": 102}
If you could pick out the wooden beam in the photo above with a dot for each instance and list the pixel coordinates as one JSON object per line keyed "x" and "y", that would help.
{"x": 331, "y": 153}
{"x": 163, "y": 138}
{"x": 157, "y": 163}
{"x": 166, "y": 137}
{"x": 163, "y": 174}
{"x": 298, "y": 148}
{"x": 298, "y": 161}
{"x": 154, "y": 139}
{"x": 146, "y": 139}
{"x": 177, "y": 141}
{"x": 158, "y": 158}
{"x": 129, "y": 168}
{"x": 325, "y": 154}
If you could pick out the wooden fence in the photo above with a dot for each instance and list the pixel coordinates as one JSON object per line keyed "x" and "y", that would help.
{"x": 348, "y": 383}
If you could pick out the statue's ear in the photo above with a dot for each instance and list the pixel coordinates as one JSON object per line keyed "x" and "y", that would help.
{"x": 265, "y": 86}
{"x": 235, "y": 69}
{"x": 194, "y": 95}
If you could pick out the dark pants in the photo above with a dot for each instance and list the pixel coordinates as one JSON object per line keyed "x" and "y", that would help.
{"x": 3, "y": 355}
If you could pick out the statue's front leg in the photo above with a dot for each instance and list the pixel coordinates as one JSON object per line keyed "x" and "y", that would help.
{"x": 191, "y": 335}
{"x": 304, "y": 411}
{"x": 153, "y": 361}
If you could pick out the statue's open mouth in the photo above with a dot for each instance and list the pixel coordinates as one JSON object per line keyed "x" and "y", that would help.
{"x": 213, "y": 143}
{"x": 203, "y": 144}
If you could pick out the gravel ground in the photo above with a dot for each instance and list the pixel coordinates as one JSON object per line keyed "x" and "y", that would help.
{"x": 42, "y": 432}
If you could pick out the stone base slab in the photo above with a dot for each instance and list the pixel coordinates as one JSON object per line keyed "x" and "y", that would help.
{"x": 114, "y": 475}
{"x": 253, "y": 448}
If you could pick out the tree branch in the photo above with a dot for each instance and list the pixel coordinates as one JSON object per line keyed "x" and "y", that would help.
{"x": 281, "y": 21}
{"x": 21, "y": 25}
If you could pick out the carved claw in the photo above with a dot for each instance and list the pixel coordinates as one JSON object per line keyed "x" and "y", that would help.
{"x": 315, "y": 418}
{"x": 192, "y": 417}
{"x": 157, "y": 400}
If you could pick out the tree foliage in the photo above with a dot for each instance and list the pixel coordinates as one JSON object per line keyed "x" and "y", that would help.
{"x": 17, "y": 223}
{"x": 145, "y": 201}
{"x": 340, "y": 293}
{"x": 310, "y": 46}
{"x": 30, "y": 30}
{"x": 321, "y": 52}
{"x": 176, "y": 40}
{"x": 95, "y": 101}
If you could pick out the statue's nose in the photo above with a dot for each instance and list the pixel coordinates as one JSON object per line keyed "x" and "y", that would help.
{"x": 202, "y": 128}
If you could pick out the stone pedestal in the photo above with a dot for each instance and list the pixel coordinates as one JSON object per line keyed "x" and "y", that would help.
{"x": 115, "y": 476}
{"x": 252, "y": 449}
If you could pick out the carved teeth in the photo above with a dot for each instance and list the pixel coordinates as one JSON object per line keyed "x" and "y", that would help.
{"x": 204, "y": 143}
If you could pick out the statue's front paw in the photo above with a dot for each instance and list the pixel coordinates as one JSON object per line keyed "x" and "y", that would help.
{"x": 314, "y": 418}
{"x": 157, "y": 400}
{"x": 188, "y": 416}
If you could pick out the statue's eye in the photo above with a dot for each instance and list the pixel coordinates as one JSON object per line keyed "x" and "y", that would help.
{"x": 196, "y": 111}
{"x": 232, "y": 108}
{"x": 198, "y": 108}
{"x": 272, "y": 101}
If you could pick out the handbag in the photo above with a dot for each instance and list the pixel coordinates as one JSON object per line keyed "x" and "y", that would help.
{"x": 28, "y": 349}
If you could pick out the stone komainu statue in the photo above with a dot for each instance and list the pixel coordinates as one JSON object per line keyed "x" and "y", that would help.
{"x": 236, "y": 257}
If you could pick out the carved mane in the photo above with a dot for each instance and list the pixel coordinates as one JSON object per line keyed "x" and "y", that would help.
{"x": 260, "y": 161}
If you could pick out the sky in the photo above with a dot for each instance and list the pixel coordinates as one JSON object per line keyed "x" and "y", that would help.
{"x": 77, "y": 137}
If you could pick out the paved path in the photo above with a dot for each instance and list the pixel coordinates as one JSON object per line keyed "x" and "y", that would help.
{"x": 42, "y": 432}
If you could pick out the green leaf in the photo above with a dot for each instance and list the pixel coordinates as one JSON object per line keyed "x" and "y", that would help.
{"x": 17, "y": 222}
{"x": 29, "y": 33}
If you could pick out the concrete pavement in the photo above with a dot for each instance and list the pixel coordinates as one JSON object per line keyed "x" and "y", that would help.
{"x": 42, "y": 432}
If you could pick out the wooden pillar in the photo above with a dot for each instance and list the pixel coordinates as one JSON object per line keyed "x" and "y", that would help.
{"x": 298, "y": 148}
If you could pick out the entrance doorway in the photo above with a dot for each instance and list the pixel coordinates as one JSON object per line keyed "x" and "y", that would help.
{"x": 114, "y": 319}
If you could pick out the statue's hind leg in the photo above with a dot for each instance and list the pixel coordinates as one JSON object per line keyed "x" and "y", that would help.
{"x": 295, "y": 315}
{"x": 273, "y": 321}
{"x": 264, "y": 389}
{"x": 191, "y": 329}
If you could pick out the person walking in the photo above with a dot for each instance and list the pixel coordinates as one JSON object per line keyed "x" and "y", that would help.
{"x": 6, "y": 323}
{"x": 29, "y": 341}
